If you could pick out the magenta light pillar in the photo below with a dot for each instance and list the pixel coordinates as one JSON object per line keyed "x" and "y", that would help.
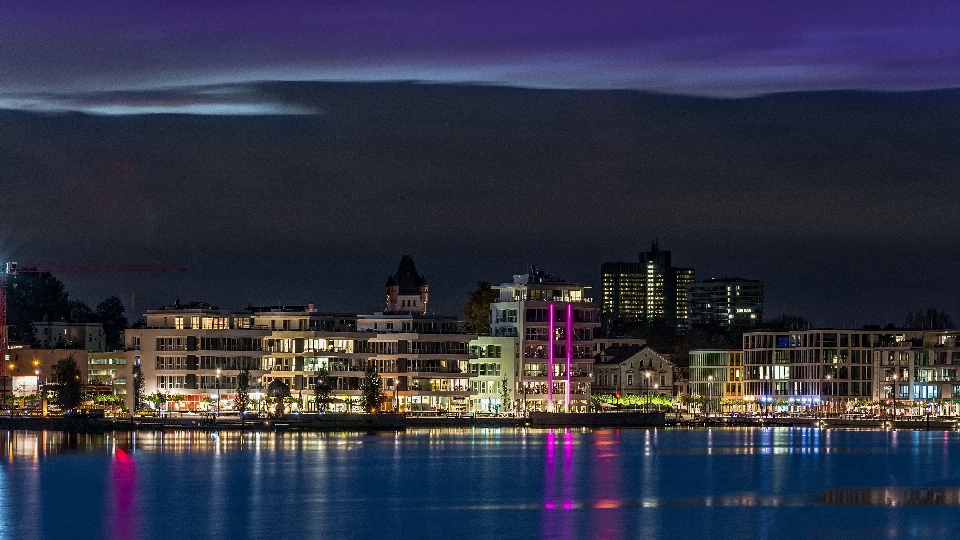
{"x": 551, "y": 338}
{"x": 569, "y": 332}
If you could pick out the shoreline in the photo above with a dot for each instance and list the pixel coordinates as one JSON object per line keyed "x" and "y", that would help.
{"x": 388, "y": 422}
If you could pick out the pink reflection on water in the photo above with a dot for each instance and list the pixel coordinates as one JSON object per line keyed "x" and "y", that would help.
{"x": 559, "y": 484}
{"x": 606, "y": 489}
{"x": 122, "y": 519}
{"x": 548, "y": 474}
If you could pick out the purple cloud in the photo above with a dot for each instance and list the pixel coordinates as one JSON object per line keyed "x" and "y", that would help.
{"x": 709, "y": 48}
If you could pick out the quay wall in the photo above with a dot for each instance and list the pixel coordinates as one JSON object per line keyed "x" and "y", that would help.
{"x": 613, "y": 420}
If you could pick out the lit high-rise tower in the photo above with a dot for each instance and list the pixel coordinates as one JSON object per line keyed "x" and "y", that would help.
{"x": 651, "y": 290}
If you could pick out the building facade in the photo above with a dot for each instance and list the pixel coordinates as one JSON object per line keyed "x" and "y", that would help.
{"x": 717, "y": 375}
{"x": 726, "y": 302}
{"x": 831, "y": 368}
{"x": 495, "y": 375}
{"x": 198, "y": 352}
{"x": 623, "y": 290}
{"x": 652, "y": 290}
{"x": 70, "y": 335}
{"x": 918, "y": 368}
{"x": 555, "y": 323}
{"x": 106, "y": 373}
{"x": 632, "y": 369}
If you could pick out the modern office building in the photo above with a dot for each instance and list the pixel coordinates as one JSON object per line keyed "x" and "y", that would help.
{"x": 555, "y": 322}
{"x": 106, "y": 373}
{"x": 716, "y": 374}
{"x": 831, "y": 368}
{"x": 652, "y": 290}
{"x": 726, "y": 302}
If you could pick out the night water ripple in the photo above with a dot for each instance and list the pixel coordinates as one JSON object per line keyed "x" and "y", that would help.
{"x": 482, "y": 483}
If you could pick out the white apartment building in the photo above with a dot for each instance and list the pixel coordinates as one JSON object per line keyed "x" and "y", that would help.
{"x": 494, "y": 374}
{"x": 554, "y": 322}
{"x": 70, "y": 335}
{"x": 198, "y": 351}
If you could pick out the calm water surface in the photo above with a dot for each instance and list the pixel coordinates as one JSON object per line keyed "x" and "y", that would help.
{"x": 483, "y": 483}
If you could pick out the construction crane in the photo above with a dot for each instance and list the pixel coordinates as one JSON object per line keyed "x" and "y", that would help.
{"x": 59, "y": 267}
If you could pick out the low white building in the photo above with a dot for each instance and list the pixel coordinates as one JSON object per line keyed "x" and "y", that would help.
{"x": 70, "y": 335}
{"x": 632, "y": 369}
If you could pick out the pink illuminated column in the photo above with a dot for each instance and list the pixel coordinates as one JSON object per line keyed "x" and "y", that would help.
{"x": 569, "y": 332}
{"x": 550, "y": 341}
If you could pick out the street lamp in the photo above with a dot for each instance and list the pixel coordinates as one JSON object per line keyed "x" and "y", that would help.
{"x": 218, "y": 391}
{"x": 829, "y": 394}
{"x": 646, "y": 384}
{"x": 36, "y": 371}
{"x": 894, "y": 377}
{"x": 709, "y": 395}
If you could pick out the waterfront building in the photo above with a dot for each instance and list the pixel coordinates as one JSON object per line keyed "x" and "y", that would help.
{"x": 423, "y": 359}
{"x": 918, "y": 368}
{"x": 632, "y": 369}
{"x": 555, "y": 323}
{"x": 31, "y": 369}
{"x": 198, "y": 351}
{"x": 652, "y": 290}
{"x": 726, "y": 302}
{"x": 106, "y": 373}
{"x": 829, "y": 368}
{"x": 494, "y": 374}
{"x": 716, "y": 374}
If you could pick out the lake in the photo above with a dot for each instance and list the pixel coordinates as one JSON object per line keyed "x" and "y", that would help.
{"x": 483, "y": 483}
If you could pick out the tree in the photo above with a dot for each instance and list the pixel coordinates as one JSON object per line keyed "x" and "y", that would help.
{"x": 243, "y": 390}
{"x": 278, "y": 390}
{"x": 932, "y": 319}
{"x": 112, "y": 315}
{"x": 80, "y": 311}
{"x": 476, "y": 310}
{"x": 323, "y": 390}
{"x": 371, "y": 390}
{"x": 67, "y": 386}
{"x": 659, "y": 335}
{"x": 704, "y": 337}
{"x": 158, "y": 398}
{"x": 137, "y": 388}
{"x": 32, "y": 297}
{"x": 505, "y": 395}
{"x": 176, "y": 399}
{"x": 787, "y": 323}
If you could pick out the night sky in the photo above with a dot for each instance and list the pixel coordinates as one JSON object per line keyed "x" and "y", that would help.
{"x": 813, "y": 145}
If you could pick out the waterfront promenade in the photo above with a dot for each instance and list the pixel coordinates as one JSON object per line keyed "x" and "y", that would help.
{"x": 391, "y": 422}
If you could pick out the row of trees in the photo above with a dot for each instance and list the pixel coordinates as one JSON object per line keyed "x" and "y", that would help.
{"x": 39, "y": 296}
{"x": 371, "y": 391}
